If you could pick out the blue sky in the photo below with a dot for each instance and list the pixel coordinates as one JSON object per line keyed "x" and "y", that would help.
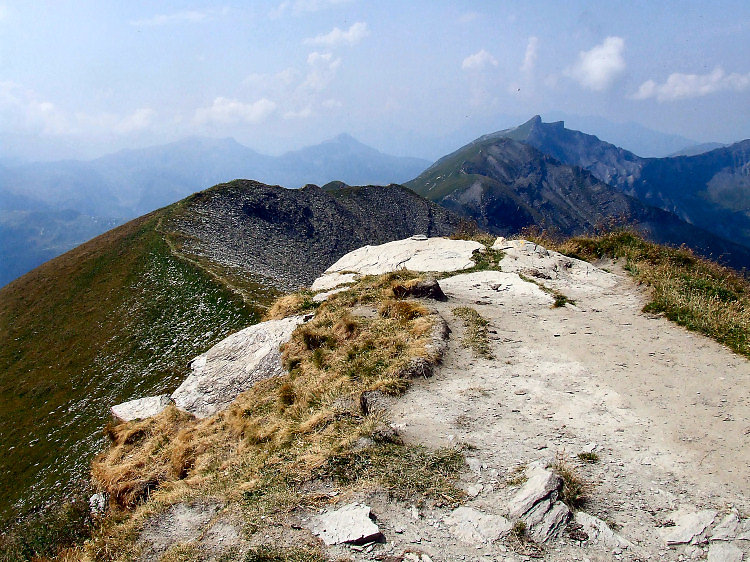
{"x": 88, "y": 77}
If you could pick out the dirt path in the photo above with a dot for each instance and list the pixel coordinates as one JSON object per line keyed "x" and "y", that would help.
{"x": 667, "y": 411}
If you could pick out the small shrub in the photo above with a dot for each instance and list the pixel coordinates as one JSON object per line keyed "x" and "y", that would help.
{"x": 589, "y": 457}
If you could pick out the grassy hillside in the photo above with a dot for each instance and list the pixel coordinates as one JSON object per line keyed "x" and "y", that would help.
{"x": 121, "y": 316}
{"x": 118, "y": 317}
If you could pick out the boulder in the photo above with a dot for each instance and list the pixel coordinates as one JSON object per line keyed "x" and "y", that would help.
{"x": 349, "y": 524}
{"x": 472, "y": 526}
{"x": 141, "y": 408}
{"x": 422, "y": 289}
{"x": 233, "y": 365}
{"x": 416, "y": 254}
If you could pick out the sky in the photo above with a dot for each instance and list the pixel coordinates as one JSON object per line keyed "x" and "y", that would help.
{"x": 88, "y": 77}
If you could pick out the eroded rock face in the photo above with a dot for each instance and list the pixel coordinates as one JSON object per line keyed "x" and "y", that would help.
{"x": 416, "y": 253}
{"x": 141, "y": 408}
{"x": 233, "y": 365}
{"x": 348, "y": 524}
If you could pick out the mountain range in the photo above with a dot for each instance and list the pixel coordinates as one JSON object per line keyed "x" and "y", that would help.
{"x": 543, "y": 175}
{"x": 710, "y": 190}
{"x": 122, "y": 315}
{"x": 47, "y": 208}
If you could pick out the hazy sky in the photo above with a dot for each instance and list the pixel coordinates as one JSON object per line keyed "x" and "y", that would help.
{"x": 92, "y": 76}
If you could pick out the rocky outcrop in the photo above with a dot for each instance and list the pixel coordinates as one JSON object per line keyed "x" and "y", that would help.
{"x": 416, "y": 254}
{"x": 537, "y": 505}
{"x": 552, "y": 268}
{"x": 233, "y": 365}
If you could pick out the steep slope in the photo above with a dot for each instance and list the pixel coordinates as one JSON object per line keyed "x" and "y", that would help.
{"x": 710, "y": 190}
{"x": 506, "y": 185}
{"x": 122, "y": 315}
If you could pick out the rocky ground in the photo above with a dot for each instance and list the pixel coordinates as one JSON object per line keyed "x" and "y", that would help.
{"x": 661, "y": 414}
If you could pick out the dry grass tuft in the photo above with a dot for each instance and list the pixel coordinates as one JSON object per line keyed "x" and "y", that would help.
{"x": 289, "y": 305}
{"x": 143, "y": 454}
{"x": 574, "y": 492}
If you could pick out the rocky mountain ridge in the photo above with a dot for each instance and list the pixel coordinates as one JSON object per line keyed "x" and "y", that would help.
{"x": 541, "y": 410}
{"x": 47, "y": 208}
{"x": 507, "y": 185}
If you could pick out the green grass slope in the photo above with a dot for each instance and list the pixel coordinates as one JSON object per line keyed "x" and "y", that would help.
{"x": 114, "y": 319}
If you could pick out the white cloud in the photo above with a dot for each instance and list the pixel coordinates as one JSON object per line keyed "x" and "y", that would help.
{"x": 323, "y": 67}
{"x": 598, "y": 68}
{"x": 22, "y": 110}
{"x": 3, "y": 13}
{"x": 478, "y": 61}
{"x": 332, "y": 103}
{"x": 187, "y": 16}
{"x": 683, "y": 86}
{"x": 227, "y": 111}
{"x": 139, "y": 120}
{"x": 299, "y": 7}
{"x": 336, "y": 36}
{"x": 303, "y": 113}
{"x": 529, "y": 59}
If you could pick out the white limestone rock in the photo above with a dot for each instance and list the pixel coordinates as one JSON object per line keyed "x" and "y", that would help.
{"x": 552, "y": 268}
{"x": 349, "y": 524}
{"x": 416, "y": 254}
{"x": 728, "y": 528}
{"x": 233, "y": 365}
{"x": 141, "y": 408}
{"x": 472, "y": 526}
{"x": 599, "y": 532}
{"x": 689, "y": 526}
